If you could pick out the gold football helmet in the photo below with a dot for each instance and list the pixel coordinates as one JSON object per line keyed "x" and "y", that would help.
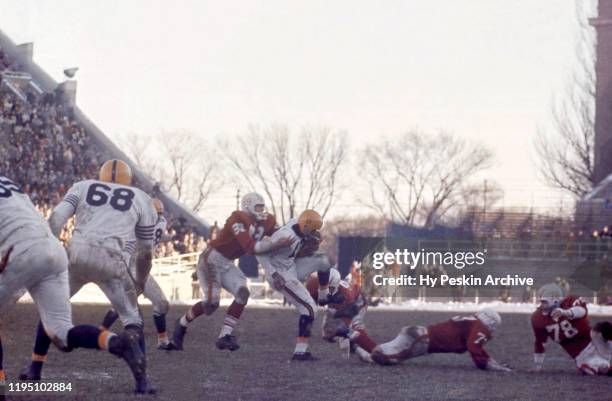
{"x": 309, "y": 221}
{"x": 116, "y": 171}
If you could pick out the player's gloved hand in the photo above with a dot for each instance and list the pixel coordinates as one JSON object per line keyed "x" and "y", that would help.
{"x": 310, "y": 245}
{"x": 336, "y": 298}
{"x": 558, "y": 313}
{"x": 278, "y": 281}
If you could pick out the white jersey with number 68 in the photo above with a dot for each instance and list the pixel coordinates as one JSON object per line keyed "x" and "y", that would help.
{"x": 109, "y": 213}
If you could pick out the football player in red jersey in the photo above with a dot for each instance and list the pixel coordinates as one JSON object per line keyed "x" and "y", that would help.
{"x": 565, "y": 321}
{"x": 347, "y": 306}
{"x": 458, "y": 335}
{"x": 216, "y": 269}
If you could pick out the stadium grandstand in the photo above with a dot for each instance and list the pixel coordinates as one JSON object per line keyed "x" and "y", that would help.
{"x": 47, "y": 143}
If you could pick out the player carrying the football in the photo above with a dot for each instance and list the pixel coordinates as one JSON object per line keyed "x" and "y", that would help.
{"x": 286, "y": 273}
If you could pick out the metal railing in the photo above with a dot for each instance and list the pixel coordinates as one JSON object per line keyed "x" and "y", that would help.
{"x": 174, "y": 264}
{"x": 173, "y": 274}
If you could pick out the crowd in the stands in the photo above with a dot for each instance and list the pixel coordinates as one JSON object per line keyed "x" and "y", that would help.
{"x": 44, "y": 149}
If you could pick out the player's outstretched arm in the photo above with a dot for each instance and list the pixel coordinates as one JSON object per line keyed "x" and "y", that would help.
{"x": 492, "y": 364}
{"x": 271, "y": 244}
{"x": 575, "y": 312}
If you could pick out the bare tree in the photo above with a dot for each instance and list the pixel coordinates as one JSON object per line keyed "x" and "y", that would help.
{"x": 567, "y": 153}
{"x": 417, "y": 178}
{"x": 295, "y": 172}
{"x": 182, "y": 162}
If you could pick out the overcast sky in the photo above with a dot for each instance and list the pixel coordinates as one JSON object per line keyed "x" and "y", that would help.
{"x": 486, "y": 70}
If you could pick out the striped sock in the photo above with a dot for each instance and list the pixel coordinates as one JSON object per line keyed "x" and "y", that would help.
{"x": 228, "y": 325}
{"x": 103, "y": 339}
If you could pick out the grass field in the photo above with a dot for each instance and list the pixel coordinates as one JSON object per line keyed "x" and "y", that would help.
{"x": 262, "y": 370}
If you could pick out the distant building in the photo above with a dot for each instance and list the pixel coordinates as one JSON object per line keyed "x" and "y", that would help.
{"x": 603, "y": 103}
{"x": 594, "y": 210}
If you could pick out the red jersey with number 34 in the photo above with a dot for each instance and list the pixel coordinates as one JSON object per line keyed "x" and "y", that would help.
{"x": 239, "y": 234}
{"x": 573, "y": 335}
{"x": 460, "y": 334}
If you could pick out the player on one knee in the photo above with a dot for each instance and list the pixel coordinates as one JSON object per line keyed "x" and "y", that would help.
{"x": 216, "y": 269}
{"x": 344, "y": 318}
{"x": 281, "y": 272}
{"x": 31, "y": 258}
{"x": 458, "y": 335}
{"x": 152, "y": 290}
{"x": 565, "y": 321}
{"x": 112, "y": 221}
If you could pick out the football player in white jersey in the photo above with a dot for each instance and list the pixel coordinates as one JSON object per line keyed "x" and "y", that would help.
{"x": 282, "y": 273}
{"x": 152, "y": 290}
{"x": 31, "y": 258}
{"x": 112, "y": 220}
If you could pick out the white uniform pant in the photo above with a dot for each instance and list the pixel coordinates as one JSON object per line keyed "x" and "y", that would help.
{"x": 107, "y": 268}
{"x": 293, "y": 289}
{"x": 153, "y": 292}
{"x": 307, "y": 265}
{"x": 595, "y": 358}
{"x": 215, "y": 272}
{"x": 40, "y": 266}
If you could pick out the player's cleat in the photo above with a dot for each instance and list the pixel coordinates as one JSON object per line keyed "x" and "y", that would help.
{"x": 145, "y": 388}
{"x": 165, "y": 346}
{"x": 178, "y": 335}
{"x": 228, "y": 341}
{"x": 126, "y": 347}
{"x": 303, "y": 356}
{"x": 31, "y": 372}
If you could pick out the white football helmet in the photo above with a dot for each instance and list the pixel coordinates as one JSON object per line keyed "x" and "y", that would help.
{"x": 334, "y": 281}
{"x": 550, "y": 296}
{"x": 254, "y": 204}
{"x": 489, "y": 318}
